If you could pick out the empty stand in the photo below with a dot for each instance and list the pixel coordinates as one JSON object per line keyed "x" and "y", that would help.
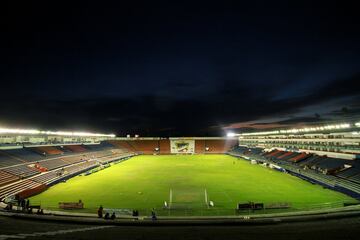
{"x": 75, "y": 148}
{"x": 17, "y": 187}
{"x": 21, "y": 170}
{"x": 98, "y": 147}
{"x": 25, "y": 154}
{"x": 164, "y": 145}
{"x": 6, "y": 178}
{"x": 200, "y": 146}
{"x": 339, "y": 174}
{"x": 8, "y": 160}
{"x": 219, "y": 146}
{"x": 299, "y": 157}
{"x": 144, "y": 146}
{"x": 47, "y": 150}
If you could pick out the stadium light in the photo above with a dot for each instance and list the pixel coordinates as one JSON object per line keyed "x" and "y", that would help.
{"x": 231, "y": 134}
{"x": 57, "y": 133}
{"x": 302, "y": 130}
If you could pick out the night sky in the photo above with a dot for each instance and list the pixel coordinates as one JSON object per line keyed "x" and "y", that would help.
{"x": 186, "y": 69}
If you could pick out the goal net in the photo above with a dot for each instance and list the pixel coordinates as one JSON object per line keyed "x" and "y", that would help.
{"x": 187, "y": 199}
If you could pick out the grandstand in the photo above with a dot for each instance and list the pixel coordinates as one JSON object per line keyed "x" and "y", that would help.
{"x": 29, "y": 169}
{"x": 33, "y": 167}
{"x": 320, "y": 155}
{"x": 75, "y": 148}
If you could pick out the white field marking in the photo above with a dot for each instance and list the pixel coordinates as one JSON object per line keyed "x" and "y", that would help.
{"x": 206, "y": 198}
{"x": 170, "y": 200}
{"x": 52, "y": 233}
{"x": 228, "y": 196}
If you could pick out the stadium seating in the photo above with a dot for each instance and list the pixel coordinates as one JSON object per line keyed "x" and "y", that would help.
{"x": 289, "y": 156}
{"x": 52, "y": 164}
{"x": 286, "y": 154}
{"x": 47, "y": 150}
{"x": 46, "y": 169}
{"x": 98, "y": 147}
{"x": 299, "y": 157}
{"x": 122, "y": 145}
{"x": 272, "y": 153}
{"x": 17, "y": 187}
{"x": 46, "y": 177}
{"x": 21, "y": 170}
{"x": 64, "y": 150}
{"x": 336, "y": 173}
{"x": 349, "y": 172}
{"x": 311, "y": 161}
{"x": 200, "y": 146}
{"x": 25, "y": 154}
{"x": 49, "y": 177}
{"x": 355, "y": 178}
{"x": 8, "y": 160}
{"x": 144, "y": 147}
{"x": 6, "y": 178}
{"x": 331, "y": 165}
{"x": 75, "y": 148}
{"x": 164, "y": 146}
{"x": 219, "y": 146}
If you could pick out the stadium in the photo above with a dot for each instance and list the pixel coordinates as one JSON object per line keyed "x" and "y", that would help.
{"x": 180, "y": 120}
{"x": 240, "y": 176}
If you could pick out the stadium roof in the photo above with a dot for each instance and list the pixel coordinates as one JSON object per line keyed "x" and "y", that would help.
{"x": 57, "y": 133}
{"x": 322, "y": 128}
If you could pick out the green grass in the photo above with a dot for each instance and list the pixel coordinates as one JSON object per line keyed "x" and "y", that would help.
{"x": 144, "y": 182}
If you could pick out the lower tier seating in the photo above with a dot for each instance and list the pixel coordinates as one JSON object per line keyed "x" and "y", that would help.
{"x": 6, "y": 178}
{"x": 21, "y": 171}
{"x": 17, "y": 187}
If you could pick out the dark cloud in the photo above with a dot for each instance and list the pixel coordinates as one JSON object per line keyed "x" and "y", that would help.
{"x": 178, "y": 69}
{"x": 151, "y": 115}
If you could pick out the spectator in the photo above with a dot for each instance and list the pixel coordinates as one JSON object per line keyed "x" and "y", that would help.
{"x": 135, "y": 214}
{"x": 100, "y": 212}
{"x": 8, "y": 206}
{"x": 23, "y": 205}
{"x": 107, "y": 216}
{"x": 113, "y": 216}
{"x": 153, "y": 215}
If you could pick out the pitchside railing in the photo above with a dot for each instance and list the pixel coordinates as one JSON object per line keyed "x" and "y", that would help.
{"x": 183, "y": 209}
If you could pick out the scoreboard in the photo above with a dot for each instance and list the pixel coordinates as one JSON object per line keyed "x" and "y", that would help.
{"x": 182, "y": 146}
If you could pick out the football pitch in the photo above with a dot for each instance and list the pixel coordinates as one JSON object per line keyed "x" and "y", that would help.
{"x": 187, "y": 183}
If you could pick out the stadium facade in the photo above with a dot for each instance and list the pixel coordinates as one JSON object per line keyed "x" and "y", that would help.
{"x": 32, "y": 160}
{"x": 326, "y": 154}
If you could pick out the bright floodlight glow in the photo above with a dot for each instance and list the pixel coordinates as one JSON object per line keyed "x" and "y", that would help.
{"x": 302, "y": 130}
{"x": 231, "y": 134}
{"x": 58, "y": 133}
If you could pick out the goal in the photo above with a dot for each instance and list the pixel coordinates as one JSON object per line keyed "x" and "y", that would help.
{"x": 188, "y": 199}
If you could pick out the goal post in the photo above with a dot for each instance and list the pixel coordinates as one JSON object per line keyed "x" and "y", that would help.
{"x": 206, "y": 198}
{"x": 188, "y": 199}
{"x": 170, "y": 198}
